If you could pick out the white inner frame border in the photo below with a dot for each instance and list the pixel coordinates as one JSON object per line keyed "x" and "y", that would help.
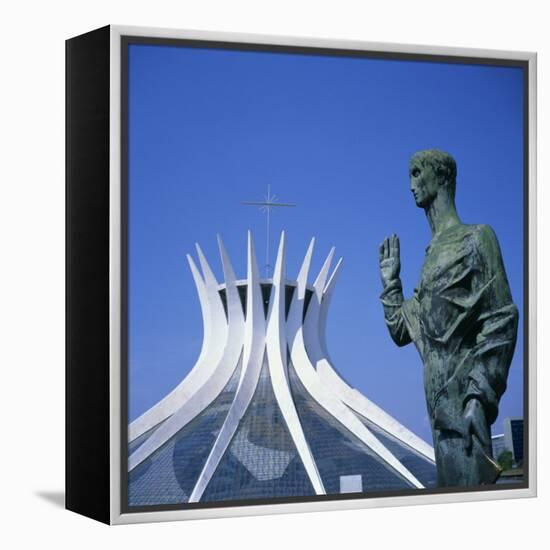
{"x": 116, "y": 32}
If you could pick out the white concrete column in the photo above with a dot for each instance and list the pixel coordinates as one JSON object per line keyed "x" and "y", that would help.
{"x": 277, "y": 359}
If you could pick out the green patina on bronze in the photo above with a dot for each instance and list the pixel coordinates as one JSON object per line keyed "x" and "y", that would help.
{"x": 461, "y": 319}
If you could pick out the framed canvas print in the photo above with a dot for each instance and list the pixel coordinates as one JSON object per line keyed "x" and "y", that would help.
{"x": 300, "y": 274}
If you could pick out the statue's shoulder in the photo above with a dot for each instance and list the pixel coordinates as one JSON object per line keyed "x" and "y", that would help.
{"x": 482, "y": 233}
{"x": 468, "y": 239}
{"x": 484, "y": 240}
{"x": 475, "y": 233}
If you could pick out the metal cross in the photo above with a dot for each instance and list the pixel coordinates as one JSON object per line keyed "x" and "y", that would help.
{"x": 266, "y": 205}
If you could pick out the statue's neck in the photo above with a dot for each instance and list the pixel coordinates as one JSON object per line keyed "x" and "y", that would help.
{"x": 441, "y": 214}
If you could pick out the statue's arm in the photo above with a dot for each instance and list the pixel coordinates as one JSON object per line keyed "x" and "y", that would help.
{"x": 393, "y": 304}
{"x": 497, "y": 324}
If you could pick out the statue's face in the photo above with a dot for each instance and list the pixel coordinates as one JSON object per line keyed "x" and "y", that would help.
{"x": 424, "y": 184}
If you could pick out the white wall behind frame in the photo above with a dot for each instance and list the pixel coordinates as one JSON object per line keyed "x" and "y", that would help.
{"x": 32, "y": 275}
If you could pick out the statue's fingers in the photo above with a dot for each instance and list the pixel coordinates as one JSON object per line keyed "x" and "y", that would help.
{"x": 397, "y": 246}
{"x": 468, "y": 438}
{"x": 381, "y": 251}
{"x": 468, "y": 443}
{"x": 481, "y": 431}
{"x": 386, "y": 248}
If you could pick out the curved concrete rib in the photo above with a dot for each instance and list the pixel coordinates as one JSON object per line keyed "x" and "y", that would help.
{"x": 349, "y": 395}
{"x": 311, "y": 329}
{"x": 209, "y": 391}
{"x": 276, "y": 346}
{"x": 214, "y": 340}
{"x": 299, "y": 348}
{"x": 325, "y": 302}
{"x": 234, "y": 308}
{"x": 253, "y": 356}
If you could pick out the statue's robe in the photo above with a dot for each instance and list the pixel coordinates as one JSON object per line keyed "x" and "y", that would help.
{"x": 464, "y": 324}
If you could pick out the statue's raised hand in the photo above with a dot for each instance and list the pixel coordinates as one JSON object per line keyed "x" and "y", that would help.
{"x": 390, "y": 264}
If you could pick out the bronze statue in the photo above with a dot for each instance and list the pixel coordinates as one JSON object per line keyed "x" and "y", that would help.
{"x": 461, "y": 319}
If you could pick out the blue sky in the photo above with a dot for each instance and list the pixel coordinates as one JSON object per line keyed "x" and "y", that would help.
{"x": 209, "y": 128}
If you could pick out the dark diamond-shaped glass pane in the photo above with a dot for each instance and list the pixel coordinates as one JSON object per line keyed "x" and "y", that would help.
{"x": 261, "y": 460}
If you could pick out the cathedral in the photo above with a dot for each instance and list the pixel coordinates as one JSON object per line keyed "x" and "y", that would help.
{"x": 264, "y": 413}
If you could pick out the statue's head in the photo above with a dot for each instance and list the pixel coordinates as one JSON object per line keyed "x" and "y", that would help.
{"x": 432, "y": 172}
